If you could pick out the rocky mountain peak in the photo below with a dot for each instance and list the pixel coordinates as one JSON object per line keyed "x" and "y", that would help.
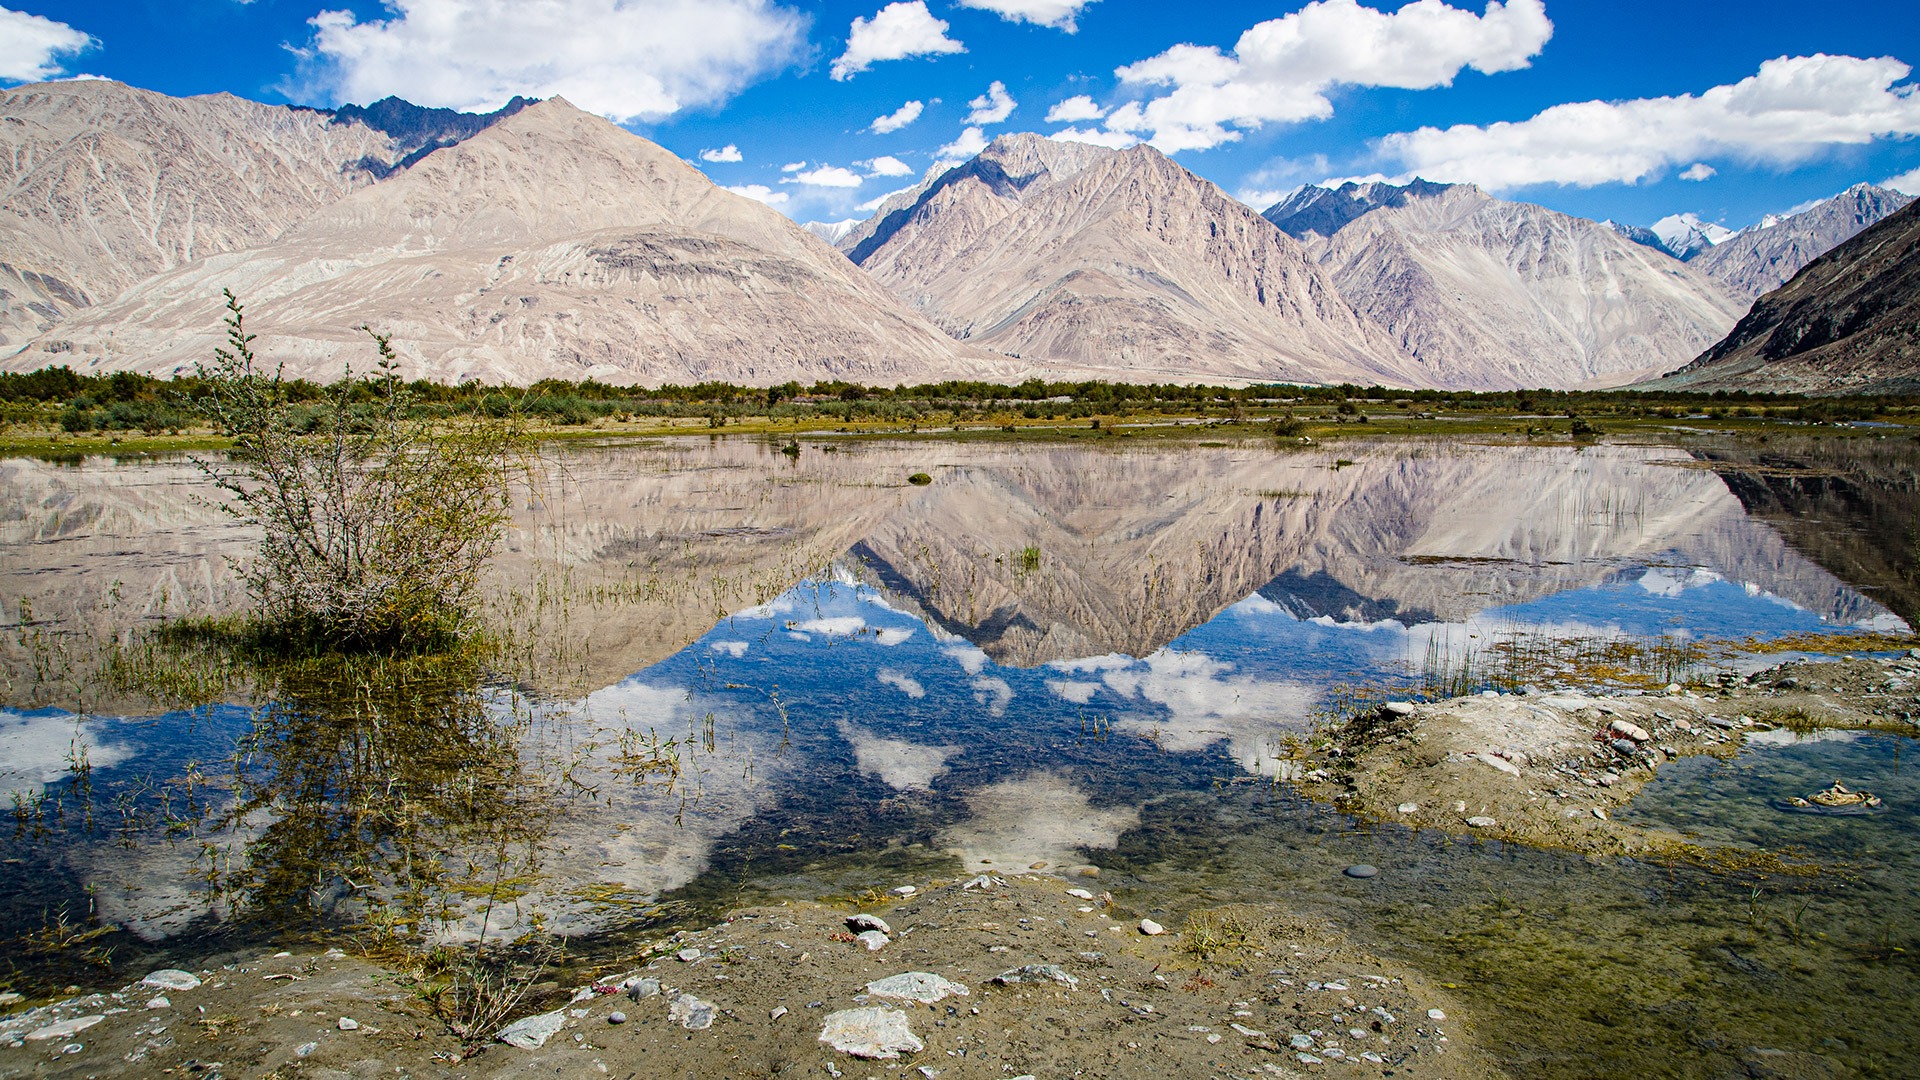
{"x": 1323, "y": 211}
{"x": 1759, "y": 259}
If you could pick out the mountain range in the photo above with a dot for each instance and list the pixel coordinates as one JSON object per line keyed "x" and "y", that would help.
{"x": 541, "y": 242}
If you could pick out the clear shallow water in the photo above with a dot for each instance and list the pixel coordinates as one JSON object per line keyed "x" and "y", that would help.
{"x": 1050, "y": 655}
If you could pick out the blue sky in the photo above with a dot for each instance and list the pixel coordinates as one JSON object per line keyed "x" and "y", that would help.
{"x": 1626, "y": 109}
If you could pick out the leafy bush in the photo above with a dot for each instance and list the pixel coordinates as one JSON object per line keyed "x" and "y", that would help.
{"x": 374, "y": 522}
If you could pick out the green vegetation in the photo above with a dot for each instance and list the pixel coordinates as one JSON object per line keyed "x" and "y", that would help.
{"x": 375, "y": 520}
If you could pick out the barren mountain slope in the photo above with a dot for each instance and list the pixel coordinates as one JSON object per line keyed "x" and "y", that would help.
{"x": 1318, "y": 212}
{"x": 1122, "y": 262}
{"x": 552, "y": 244}
{"x": 1847, "y": 323}
{"x": 1489, "y": 294}
{"x": 103, "y": 185}
{"x": 1758, "y": 260}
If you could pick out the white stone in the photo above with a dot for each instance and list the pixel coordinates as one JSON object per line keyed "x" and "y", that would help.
{"x": 1400, "y": 708}
{"x": 1436, "y": 1014}
{"x": 1629, "y": 729}
{"x": 348, "y": 1023}
{"x": 870, "y": 1032}
{"x": 1080, "y": 894}
{"x": 687, "y": 955}
{"x": 170, "y": 979}
{"x": 874, "y": 940}
{"x": 692, "y": 1013}
{"x": 532, "y": 1032}
{"x": 917, "y": 986}
{"x": 159, "y": 1001}
{"x": 863, "y": 922}
{"x": 1481, "y": 822}
{"x": 1151, "y": 928}
{"x": 1500, "y": 763}
{"x": 905, "y": 890}
{"x": 63, "y": 1029}
{"x": 1408, "y": 808}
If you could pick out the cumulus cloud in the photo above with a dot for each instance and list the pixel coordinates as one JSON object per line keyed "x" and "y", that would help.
{"x": 793, "y": 166}
{"x": 874, "y": 203}
{"x": 895, "y": 32}
{"x": 1281, "y": 70}
{"x": 1699, "y": 170}
{"x": 760, "y": 193}
{"x": 898, "y": 118}
{"x": 1059, "y": 14}
{"x": 1907, "y": 182}
{"x": 728, "y": 152}
{"x": 826, "y": 176}
{"x": 885, "y": 165}
{"x": 992, "y": 107}
{"x": 625, "y": 59}
{"x": 1792, "y": 109}
{"x": 1075, "y": 109}
{"x": 971, "y": 141}
{"x": 1112, "y": 140}
{"x": 31, "y": 45}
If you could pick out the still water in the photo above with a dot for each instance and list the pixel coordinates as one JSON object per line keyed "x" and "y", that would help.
{"x": 725, "y": 675}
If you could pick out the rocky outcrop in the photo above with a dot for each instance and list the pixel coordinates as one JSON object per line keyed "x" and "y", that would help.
{"x": 1758, "y": 260}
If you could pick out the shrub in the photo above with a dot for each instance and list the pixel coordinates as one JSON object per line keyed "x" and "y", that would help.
{"x": 374, "y": 523}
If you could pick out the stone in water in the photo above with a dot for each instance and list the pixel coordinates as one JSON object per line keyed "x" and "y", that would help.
{"x": 170, "y": 979}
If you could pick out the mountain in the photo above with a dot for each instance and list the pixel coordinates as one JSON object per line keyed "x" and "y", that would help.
{"x": 1318, "y": 211}
{"x": 832, "y": 231}
{"x": 1490, "y": 294}
{"x": 1760, "y": 259}
{"x": 550, "y": 244}
{"x": 1639, "y": 234}
{"x": 417, "y": 130}
{"x": 103, "y": 185}
{"x": 1684, "y": 236}
{"x": 1847, "y": 323}
{"x": 1120, "y": 262}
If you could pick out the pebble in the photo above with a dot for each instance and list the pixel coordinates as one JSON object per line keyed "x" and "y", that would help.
{"x": 1481, "y": 822}
{"x": 1629, "y": 729}
{"x": 305, "y": 1048}
{"x": 170, "y": 979}
{"x": 863, "y": 922}
{"x": 919, "y": 986}
{"x": 1408, "y": 808}
{"x": 692, "y": 1013}
{"x": 1302, "y": 1042}
{"x": 905, "y": 890}
{"x": 1436, "y": 1014}
{"x": 1599, "y": 813}
{"x": 1080, "y": 894}
{"x": 159, "y": 1001}
{"x": 348, "y": 1023}
{"x": 616, "y": 1017}
{"x": 870, "y": 1032}
{"x": 687, "y": 955}
{"x": 1036, "y": 973}
{"x": 1151, "y": 928}
{"x": 1624, "y": 746}
{"x": 1400, "y": 708}
{"x": 874, "y": 940}
{"x": 643, "y": 988}
{"x": 11, "y": 998}
{"x": 777, "y": 1013}
{"x": 1361, "y": 870}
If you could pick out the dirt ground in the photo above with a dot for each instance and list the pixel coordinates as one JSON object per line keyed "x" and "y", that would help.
{"x": 1550, "y": 769}
{"x": 1245, "y": 992}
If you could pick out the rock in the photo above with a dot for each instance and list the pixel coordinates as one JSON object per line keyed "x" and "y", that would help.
{"x": 687, "y": 955}
{"x": 862, "y": 923}
{"x": 1361, "y": 870}
{"x": 532, "y": 1032}
{"x": 1673, "y": 688}
{"x": 159, "y": 1001}
{"x": 616, "y": 1017}
{"x": 692, "y": 1013}
{"x": 1399, "y": 708}
{"x": 1500, "y": 763}
{"x": 348, "y": 1023}
{"x": 63, "y": 1029}
{"x": 1408, "y": 808}
{"x": 1036, "y": 973}
{"x": 1301, "y": 1042}
{"x": 1080, "y": 894}
{"x": 1251, "y": 1033}
{"x": 1629, "y": 729}
{"x": 777, "y": 1013}
{"x": 643, "y": 988}
{"x": 1436, "y": 1014}
{"x": 905, "y": 890}
{"x": 870, "y": 1032}
{"x": 1599, "y": 813}
{"x": 11, "y": 998}
{"x": 305, "y": 1049}
{"x": 170, "y": 979}
{"x": 1608, "y": 779}
{"x": 984, "y": 881}
{"x": 917, "y": 986}
{"x": 874, "y": 940}
{"x": 1151, "y": 928}
{"x": 1624, "y": 747}
{"x": 1481, "y": 822}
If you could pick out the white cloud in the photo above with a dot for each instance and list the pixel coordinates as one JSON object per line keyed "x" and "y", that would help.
{"x": 971, "y": 141}
{"x": 1793, "y": 108}
{"x": 874, "y": 203}
{"x": 1075, "y": 109}
{"x": 30, "y": 46}
{"x": 888, "y": 166}
{"x": 793, "y": 166}
{"x": 760, "y": 193}
{"x": 728, "y": 152}
{"x": 1059, "y": 14}
{"x": 898, "y": 118}
{"x": 827, "y": 176}
{"x": 1261, "y": 198}
{"x": 1281, "y": 70}
{"x": 1907, "y": 182}
{"x": 906, "y": 684}
{"x": 895, "y": 32}
{"x": 971, "y": 658}
{"x": 992, "y": 107}
{"x": 993, "y": 692}
{"x": 735, "y": 649}
{"x": 621, "y": 58}
{"x": 1699, "y": 170}
{"x": 1112, "y": 140}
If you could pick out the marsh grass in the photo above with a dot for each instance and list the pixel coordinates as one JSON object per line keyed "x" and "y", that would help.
{"x": 1519, "y": 658}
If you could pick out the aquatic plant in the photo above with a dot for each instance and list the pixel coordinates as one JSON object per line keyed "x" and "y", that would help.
{"x": 374, "y": 522}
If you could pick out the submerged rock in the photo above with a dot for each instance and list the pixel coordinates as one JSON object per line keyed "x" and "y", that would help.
{"x": 870, "y": 1032}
